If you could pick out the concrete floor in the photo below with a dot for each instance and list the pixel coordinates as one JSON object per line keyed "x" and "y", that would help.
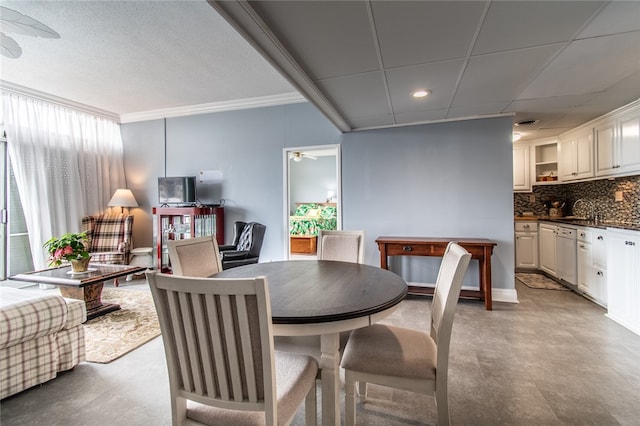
{"x": 552, "y": 359}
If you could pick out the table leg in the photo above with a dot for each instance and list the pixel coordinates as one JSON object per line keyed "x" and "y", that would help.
{"x": 92, "y": 297}
{"x": 486, "y": 278}
{"x": 330, "y": 365}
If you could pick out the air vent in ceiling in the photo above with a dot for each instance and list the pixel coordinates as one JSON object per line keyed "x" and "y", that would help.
{"x": 526, "y": 123}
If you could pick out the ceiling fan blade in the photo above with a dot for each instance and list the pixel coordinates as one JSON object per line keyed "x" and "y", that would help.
{"x": 15, "y": 22}
{"x": 310, "y": 157}
{"x": 9, "y": 47}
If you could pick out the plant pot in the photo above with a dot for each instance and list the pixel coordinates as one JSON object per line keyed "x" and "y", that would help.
{"x": 80, "y": 265}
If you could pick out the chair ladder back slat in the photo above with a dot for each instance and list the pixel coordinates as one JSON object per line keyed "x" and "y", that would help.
{"x": 179, "y": 340}
{"x": 217, "y": 345}
{"x": 191, "y": 341}
{"x": 204, "y": 344}
{"x": 197, "y": 346}
{"x": 235, "y": 375}
{"x": 247, "y": 348}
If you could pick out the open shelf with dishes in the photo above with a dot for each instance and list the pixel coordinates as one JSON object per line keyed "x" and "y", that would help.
{"x": 546, "y": 163}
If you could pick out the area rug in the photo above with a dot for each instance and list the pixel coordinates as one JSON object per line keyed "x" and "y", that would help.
{"x": 539, "y": 281}
{"x": 112, "y": 335}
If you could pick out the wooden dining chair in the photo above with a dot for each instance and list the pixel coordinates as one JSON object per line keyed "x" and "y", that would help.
{"x": 195, "y": 257}
{"x": 218, "y": 341}
{"x": 408, "y": 359}
{"x": 344, "y": 246}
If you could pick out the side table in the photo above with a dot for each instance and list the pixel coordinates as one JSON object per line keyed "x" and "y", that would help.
{"x": 141, "y": 256}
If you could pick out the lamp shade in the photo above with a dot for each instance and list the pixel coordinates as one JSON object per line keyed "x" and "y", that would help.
{"x": 123, "y": 198}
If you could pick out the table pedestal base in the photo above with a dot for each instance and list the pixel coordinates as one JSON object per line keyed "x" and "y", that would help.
{"x": 92, "y": 297}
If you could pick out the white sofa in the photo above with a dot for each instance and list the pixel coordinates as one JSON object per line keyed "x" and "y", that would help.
{"x": 40, "y": 334}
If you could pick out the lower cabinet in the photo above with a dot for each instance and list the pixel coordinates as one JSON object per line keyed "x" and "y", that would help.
{"x": 623, "y": 283}
{"x": 526, "y": 245}
{"x": 592, "y": 267}
{"x": 548, "y": 235}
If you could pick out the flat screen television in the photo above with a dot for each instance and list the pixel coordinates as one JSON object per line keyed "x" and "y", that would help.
{"x": 177, "y": 190}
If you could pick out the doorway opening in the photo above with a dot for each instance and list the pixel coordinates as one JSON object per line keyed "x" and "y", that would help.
{"x": 312, "y": 196}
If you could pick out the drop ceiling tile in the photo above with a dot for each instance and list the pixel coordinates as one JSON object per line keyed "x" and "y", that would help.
{"x": 357, "y": 95}
{"x": 413, "y": 32}
{"x": 617, "y": 17}
{"x": 518, "y": 24}
{"x": 328, "y": 39}
{"x": 501, "y": 76}
{"x": 439, "y": 77}
{"x": 552, "y": 104}
{"x": 588, "y": 65}
{"x": 360, "y": 123}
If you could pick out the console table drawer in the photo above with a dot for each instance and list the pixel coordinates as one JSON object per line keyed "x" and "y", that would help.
{"x": 396, "y": 249}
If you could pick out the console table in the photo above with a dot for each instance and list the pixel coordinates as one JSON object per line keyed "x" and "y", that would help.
{"x": 480, "y": 249}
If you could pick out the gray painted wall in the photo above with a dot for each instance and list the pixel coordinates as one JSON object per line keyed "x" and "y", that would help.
{"x": 448, "y": 179}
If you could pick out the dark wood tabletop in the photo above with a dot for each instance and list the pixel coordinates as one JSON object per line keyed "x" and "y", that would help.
{"x": 315, "y": 291}
{"x": 62, "y": 276}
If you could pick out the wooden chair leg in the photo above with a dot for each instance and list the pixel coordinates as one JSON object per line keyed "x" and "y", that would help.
{"x": 349, "y": 399}
{"x": 442, "y": 405}
{"x": 362, "y": 389}
{"x": 310, "y": 408}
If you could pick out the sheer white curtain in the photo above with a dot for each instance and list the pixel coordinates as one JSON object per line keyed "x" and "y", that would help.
{"x": 67, "y": 164}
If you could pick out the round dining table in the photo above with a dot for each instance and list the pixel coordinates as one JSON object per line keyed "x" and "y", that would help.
{"x": 321, "y": 297}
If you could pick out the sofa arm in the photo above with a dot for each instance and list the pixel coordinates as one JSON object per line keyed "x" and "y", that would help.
{"x": 26, "y": 315}
{"x": 227, "y": 247}
{"x": 234, "y": 255}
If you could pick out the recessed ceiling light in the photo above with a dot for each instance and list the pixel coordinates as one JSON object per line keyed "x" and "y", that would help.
{"x": 421, "y": 93}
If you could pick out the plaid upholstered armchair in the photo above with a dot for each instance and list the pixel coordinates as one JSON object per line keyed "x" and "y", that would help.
{"x": 109, "y": 237}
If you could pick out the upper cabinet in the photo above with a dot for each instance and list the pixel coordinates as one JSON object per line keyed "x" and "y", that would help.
{"x": 521, "y": 169}
{"x": 576, "y": 155}
{"x": 606, "y": 147}
{"x": 546, "y": 161}
{"x": 618, "y": 146}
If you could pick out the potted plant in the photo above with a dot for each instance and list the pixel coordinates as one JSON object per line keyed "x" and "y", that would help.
{"x": 70, "y": 247}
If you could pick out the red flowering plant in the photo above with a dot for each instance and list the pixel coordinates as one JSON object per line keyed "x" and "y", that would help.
{"x": 71, "y": 246}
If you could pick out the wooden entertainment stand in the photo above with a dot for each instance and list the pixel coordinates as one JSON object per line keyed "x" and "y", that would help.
{"x": 418, "y": 246}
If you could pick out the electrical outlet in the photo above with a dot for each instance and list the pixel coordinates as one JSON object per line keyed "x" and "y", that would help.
{"x": 618, "y": 195}
{"x": 532, "y": 198}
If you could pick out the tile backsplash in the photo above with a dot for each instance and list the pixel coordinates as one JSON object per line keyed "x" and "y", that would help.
{"x": 600, "y": 192}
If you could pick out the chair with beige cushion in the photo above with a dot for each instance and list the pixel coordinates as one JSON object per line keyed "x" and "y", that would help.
{"x": 408, "y": 359}
{"x": 195, "y": 257}
{"x": 218, "y": 341}
{"x": 344, "y": 246}
{"x": 109, "y": 237}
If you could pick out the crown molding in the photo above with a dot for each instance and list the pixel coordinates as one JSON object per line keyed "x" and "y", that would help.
{"x": 247, "y": 103}
{"x": 6, "y": 86}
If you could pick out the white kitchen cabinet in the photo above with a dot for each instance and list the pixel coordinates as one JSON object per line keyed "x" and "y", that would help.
{"x": 547, "y": 236}
{"x": 618, "y": 146}
{"x": 629, "y": 128}
{"x": 585, "y": 264}
{"x": 526, "y": 242}
{"x": 592, "y": 268}
{"x": 606, "y": 157}
{"x": 576, "y": 156}
{"x": 521, "y": 168}
{"x": 566, "y": 268}
{"x": 545, "y": 159}
{"x": 623, "y": 282}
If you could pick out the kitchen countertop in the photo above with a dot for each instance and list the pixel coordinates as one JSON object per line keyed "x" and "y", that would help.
{"x": 577, "y": 221}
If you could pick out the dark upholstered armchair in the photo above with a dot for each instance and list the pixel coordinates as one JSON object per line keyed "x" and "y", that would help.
{"x": 247, "y": 242}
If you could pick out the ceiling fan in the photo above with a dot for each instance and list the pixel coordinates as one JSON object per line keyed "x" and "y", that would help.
{"x": 17, "y": 23}
{"x": 298, "y": 156}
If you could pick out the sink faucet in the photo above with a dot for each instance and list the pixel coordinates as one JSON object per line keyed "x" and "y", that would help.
{"x": 591, "y": 207}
